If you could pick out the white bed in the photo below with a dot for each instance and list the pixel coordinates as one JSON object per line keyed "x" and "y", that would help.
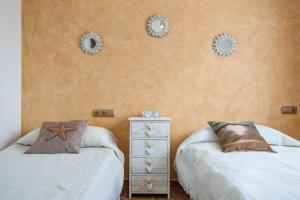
{"x": 207, "y": 173}
{"x": 95, "y": 173}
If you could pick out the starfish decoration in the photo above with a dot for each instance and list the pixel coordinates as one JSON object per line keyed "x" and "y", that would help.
{"x": 59, "y": 131}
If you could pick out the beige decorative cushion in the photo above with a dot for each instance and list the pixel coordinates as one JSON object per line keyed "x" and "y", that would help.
{"x": 59, "y": 137}
{"x": 240, "y": 136}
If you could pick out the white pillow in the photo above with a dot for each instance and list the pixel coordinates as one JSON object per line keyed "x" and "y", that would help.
{"x": 92, "y": 137}
{"x": 30, "y": 137}
{"x": 275, "y": 137}
{"x": 97, "y": 137}
{"x": 205, "y": 134}
{"x": 101, "y": 137}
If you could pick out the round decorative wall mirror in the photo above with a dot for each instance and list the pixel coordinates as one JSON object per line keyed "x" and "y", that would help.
{"x": 157, "y": 26}
{"x": 91, "y": 43}
{"x": 224, "y": 44}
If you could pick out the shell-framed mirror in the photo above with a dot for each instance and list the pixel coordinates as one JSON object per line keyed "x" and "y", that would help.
{"x": 91, "y": 43}
{"x": 224, "y": 44}
{"x": 157, "y": 26}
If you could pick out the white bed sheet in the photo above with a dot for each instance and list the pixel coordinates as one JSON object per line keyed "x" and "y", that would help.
{"x": 207, "y": 173}
{"x": 95, "y": 173}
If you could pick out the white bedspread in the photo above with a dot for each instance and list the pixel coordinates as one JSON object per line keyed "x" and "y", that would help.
{"x": 207, "y": 173}
{"x": 95, "y": 173}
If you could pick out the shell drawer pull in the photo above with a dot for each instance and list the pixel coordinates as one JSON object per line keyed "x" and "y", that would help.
{"x": 148, "y": 144}
{"x": 149, "y": 184}
{"x": 148, "y": 130}
{"x": 148, "y": 180}
{"x": 147, "y": 126}
{"x": 148, "y": 151}
{"x": 148, "y": 166}
{"x": 148, "y": 161}
{"x": 149, "y": 187}
{"x": 148, "y": 147}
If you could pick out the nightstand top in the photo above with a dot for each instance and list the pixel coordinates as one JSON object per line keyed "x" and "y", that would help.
{"x": 149, "y": 119}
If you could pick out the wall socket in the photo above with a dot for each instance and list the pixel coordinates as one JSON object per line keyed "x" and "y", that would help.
{"x": 289, "y": 109}
{"x": 103, "y": 113}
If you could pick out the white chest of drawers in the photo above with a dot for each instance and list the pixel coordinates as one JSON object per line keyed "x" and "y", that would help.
{"x": 149, "y": 161}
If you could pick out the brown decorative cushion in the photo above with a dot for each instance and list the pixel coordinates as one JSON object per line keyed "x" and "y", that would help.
{"x": 59, "y": 137}
{"x": 240, "y": 136}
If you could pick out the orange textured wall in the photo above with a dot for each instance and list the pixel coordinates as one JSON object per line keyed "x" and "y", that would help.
{"x": 179, "y": 75}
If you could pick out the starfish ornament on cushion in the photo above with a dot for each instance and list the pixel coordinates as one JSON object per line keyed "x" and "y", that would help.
{"x": 59, "y": 131}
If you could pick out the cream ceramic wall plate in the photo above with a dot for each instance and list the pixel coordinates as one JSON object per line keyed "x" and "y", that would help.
{"x": 224, "y": 44}
{"x": 157, "y": 26}
{"x": 91, "y": 43}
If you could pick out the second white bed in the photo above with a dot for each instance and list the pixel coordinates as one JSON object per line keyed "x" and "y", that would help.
{"x": 207, "y": 173}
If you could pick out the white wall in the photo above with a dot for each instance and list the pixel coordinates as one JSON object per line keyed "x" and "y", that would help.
{"x": 10, "y": 71}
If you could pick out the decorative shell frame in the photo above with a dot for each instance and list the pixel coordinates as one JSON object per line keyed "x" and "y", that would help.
{"x": 91, "y": 43}
{"x": 157, "y": 26}
{"x": 224, "y": 44}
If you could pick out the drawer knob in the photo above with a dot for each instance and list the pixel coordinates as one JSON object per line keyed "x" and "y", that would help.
{"x": 148, "y": 151}
{"x": 148, "y": 180}
{"x": 149, "y": 184}
{"x": 149, "y": 133}
{"x": 148, "y": 147}
{"x": 148, "y": 130}
{"x": 149, "y": 187}
{"x": 148, "y": 161}
{"x": 149, "y": 168}
{"x": 148, "y": 144}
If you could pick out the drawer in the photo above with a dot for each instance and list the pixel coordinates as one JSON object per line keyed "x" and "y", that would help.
{"x": 149, "y": 184}
{"x": 149, "y": 148}
{"x": 149, "y": 129}
{"x": 149, "y": 165}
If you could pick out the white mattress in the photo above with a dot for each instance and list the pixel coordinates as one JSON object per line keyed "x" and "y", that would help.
{"x": 207, "y": 173}
{"x": 95, "y": 173}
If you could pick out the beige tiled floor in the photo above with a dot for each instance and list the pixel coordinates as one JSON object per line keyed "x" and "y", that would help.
{"x": 177, "y": 193}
